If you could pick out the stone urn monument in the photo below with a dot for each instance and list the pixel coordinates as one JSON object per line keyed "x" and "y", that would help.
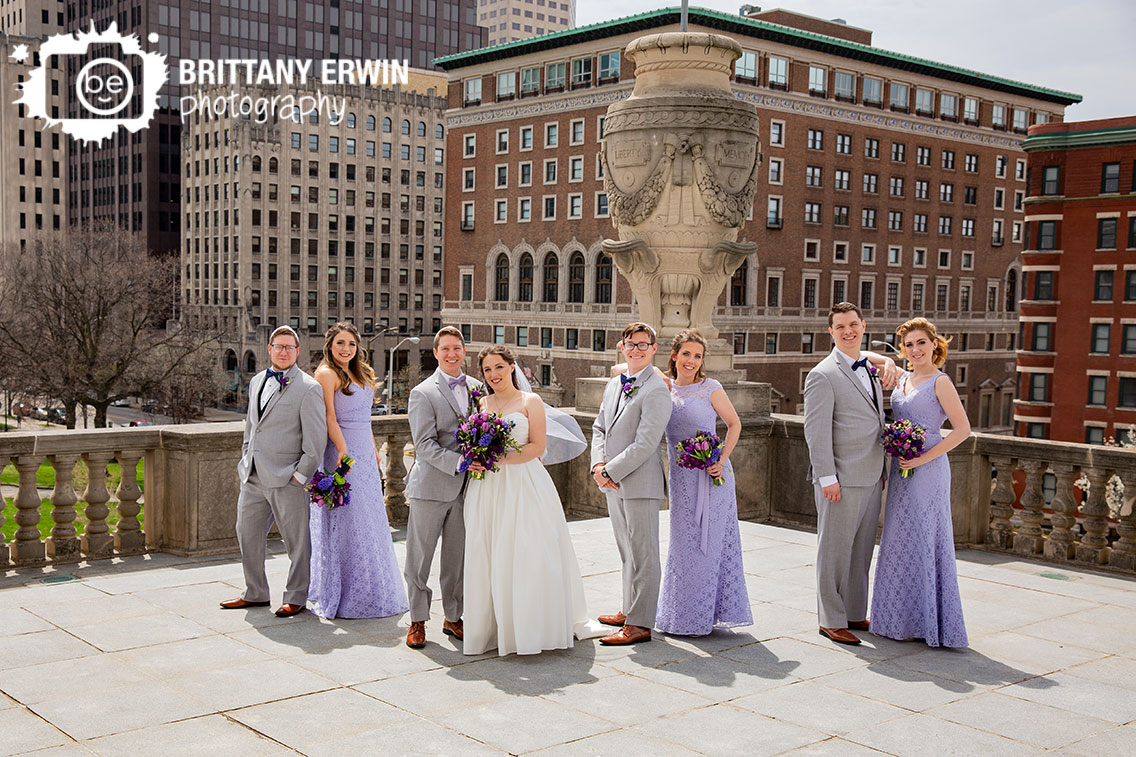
{"x": 681, "y": 162}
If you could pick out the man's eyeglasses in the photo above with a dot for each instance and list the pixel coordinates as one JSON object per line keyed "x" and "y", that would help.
{"x": 283, "y": 347}
{"x": 633, "y": 346}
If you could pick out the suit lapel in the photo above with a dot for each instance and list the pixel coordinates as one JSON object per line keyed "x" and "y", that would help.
{"x": 851, "y": 376}
{"x": 254, "y": 396}
{"x": 622, "y": 402}
{"x": 290, "y": 375}
{"x": 443, "y": 383}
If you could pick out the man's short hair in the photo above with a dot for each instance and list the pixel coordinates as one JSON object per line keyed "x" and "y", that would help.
{"x": 284, "y": 330}
{"x": 448, "y": 331}
{"x": 844, "y": 307}
{"x": 635, "y": 328}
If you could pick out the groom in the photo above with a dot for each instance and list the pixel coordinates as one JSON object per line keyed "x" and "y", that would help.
{"x": 285, "y": 436}
{"x": 436, "y": 488}
{"x": 628, "y": 466}
{"x": 844, "y": 419}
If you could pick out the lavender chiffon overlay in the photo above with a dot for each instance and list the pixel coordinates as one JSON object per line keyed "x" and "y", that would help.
{"x": 701, "y": 591}
{"x": 916, "y": 593}
{"x": 353, "y": 567}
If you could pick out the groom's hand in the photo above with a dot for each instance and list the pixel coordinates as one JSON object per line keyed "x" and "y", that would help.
{"x": 601, "y": 480}
{"x": 831, "y": 493}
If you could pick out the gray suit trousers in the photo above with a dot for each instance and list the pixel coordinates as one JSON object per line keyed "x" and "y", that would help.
{"x": 429, "y": 520}
{"x": 288, "y": 505}
{"x": 846, "y": 537}
{"x": 635, "y": 523}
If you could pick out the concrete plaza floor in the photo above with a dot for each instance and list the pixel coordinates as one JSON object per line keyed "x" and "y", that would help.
{"x": 134, "y": 657}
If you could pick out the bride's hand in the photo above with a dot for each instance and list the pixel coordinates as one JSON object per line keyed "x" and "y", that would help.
{"x": 477, "y": 467}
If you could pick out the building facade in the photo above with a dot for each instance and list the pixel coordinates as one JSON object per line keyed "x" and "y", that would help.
{"x": 890, "y": 181}
{"x": 1077, "y": 362}
{"x": 133, "y": 180}
{"x": 313, "y": 222}
{"x": 511, "y": 20}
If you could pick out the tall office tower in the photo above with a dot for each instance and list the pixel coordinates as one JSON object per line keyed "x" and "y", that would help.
{"x": 511, "y": 20}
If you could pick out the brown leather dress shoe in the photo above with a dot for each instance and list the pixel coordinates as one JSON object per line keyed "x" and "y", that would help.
{"x": 613, "y": 620}
{"x": 241, "y": 603}
{"x": 286, "y": 610}
{"x": 627, "y": 635}
{"x": 839, "y": 635}
{"x": 860, "y": 625}
{"x": 416, "y": 636}
{"x": 457, "y": 629}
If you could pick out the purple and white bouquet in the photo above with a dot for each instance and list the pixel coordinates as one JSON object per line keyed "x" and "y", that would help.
{"x": 904, "y": 440}
{"x": 484, "y": 438}
{"x": 330, "y": 489}
{"x": 699, "y": 452}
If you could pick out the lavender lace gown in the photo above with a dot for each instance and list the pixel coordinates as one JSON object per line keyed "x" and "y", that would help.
{"x": 353, "y": 567}
{"x": 703, "y": 589}
{"x": 916, "y": 594}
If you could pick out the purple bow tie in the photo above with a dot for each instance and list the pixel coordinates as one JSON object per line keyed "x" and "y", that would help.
{"x": 456, "y": 382}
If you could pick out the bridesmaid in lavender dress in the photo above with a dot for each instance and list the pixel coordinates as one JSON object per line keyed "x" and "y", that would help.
{"x": 354, "y": 570}
{"x": 916, "y": 594}
{"x": 704, "y": 585}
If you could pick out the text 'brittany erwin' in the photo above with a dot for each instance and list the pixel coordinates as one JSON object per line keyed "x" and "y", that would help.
{"x": 235, "y": 71}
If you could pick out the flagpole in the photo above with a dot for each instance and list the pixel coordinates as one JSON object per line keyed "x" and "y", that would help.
{"x": 684, "y": 16}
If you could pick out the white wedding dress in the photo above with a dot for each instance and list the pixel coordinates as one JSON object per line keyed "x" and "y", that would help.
{"x": 523, "y": 591}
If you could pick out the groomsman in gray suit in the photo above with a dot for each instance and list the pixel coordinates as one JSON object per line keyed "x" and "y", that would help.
{"x": 844, "y": 418}
{"x": 628, "y": 466}
{"x": 436, "y": 488}
{"x": 285, "y": 436}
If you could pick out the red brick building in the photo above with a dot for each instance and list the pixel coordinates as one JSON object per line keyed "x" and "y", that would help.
{"x": 889, "y": 180}
{"x": 1077, "y": 364}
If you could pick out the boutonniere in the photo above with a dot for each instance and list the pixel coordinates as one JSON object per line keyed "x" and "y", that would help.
{"x": 475, "y": 395}
{"x": 629, "y": 389}
{"x": 873, "y": 371}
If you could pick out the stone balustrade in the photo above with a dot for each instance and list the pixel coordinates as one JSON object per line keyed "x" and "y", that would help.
{"x": 1008, "y": 494}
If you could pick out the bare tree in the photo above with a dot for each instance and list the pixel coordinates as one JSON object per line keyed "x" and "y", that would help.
{"x": 82, "y": 319}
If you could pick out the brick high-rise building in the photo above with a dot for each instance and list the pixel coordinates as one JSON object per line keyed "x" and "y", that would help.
{"x": 133, "y": 179}
{"x": 888, "y": 180}
{"x": 1077, "y": 363}
{"x": 511, "y": 20}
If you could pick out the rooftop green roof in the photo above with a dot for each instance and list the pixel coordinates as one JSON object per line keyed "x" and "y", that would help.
{"x": 753, "y": 29}
{"x": 1093, "y": 137}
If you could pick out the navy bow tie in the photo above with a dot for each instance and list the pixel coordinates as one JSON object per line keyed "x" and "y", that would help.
{"x": 274, "y": 374}
{"x": 456, "y": 382}
{"x": 861, "y": 363}
{"x": 624, "y": 379}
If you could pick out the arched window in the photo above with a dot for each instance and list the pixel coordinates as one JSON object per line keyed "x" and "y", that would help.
{"x": 501, "y": 279}
{"x": 230, "y": 360}
{"x": 1011, "y": 291}
{"x": 422, "y": 128}
{"x": 576, "y": 278}
{"x": 525, "y": 279}
{"x": 370, "y": 123}
{"x": 256, "y": 164}
{"x": 273, "y": 165}
{"x": 439, "y": 132}
{"x": 738, "y": 285}
{"x": 551, "y": 278}
{"x": 386, "y": 124}
{"x": 405, "y": 126}
{"x": 250, "y": 362}
{"x": 350, "y": 120}
{"x": 603, "y": 278}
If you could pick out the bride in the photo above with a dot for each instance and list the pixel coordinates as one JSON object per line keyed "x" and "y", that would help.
{"x": 523, "y": 591}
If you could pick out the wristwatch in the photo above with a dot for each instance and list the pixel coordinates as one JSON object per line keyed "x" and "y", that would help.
{"x": 605, "y": 474}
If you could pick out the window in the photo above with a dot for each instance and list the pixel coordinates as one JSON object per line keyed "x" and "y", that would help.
{"x": 581, "y": 72}
{"x": 550, "y": 171}
{"x": 526, "y": 135}
{"x": 771, "y": 344}
{"x": 845, "y": 85}
{"x": 1038, "y": 387}
{"x": 812, "y": 176}
{"x": 946, "y": 192}
{"x": 525, "y": 279}
{"x": 922, "y": 189}
{"x": 898, "y": 152}
{"x": 472, "y": 95}
{"x": 551, "y": 277}
{"x": 1129, "y": 286}
{"x": 917, "y": 297}
{"x": 502, "y": 141}
{"x": 895, "y": 220}
{"x": 895, "y": 186}
{"x": 816, "y": 139}
{"x": 550, "y": 208}
{"x": 970, "y": 109}
{"x": 1021, "y": 119}
{"x": 923, "y": 156}
{"x": 551, "y": 134}
{"x": 775, "y": 167}
{"x": 895, "y": 255}
{"x": 868, "y": 254}
{"x": 924, "y": 101}
{"x": 949, "y": 159}
{"x": 839, "y": 287}
{"x": 1098, "y": 388}
{"x": 968, "y": 227}
{"x": 871, "y": 148}
{"x": 968, "y": 261}
{"x": 746, "y": 66}
{"x": 898, "y": 96}
{"x": 818, "y": 80}
{"x": 1043, "y": 285}
{"x": 840, "y": 215}
{"x": 812, "y": 212}
{"x": 1110, "y": 178}
{"x": 919, "y": 223}
{"x": 1106, "y": 233}
{"x": 773, "y": 212}
{"x": 1041, "y": 333}
{"x": 1100, "y": 336}
{"x": 866, "y": 288}
{"x": 576, "y": 131}
{"x": 812, "y": 249}
{"x": 1128, "y": 340}
{"x": 871, "y": 183}
{"x": 868, "y": 218}
{"x": 530, "y": 80}
{"x": 807, "y": 344}
{"x": 948, "y": 106}
{"x": 1102, "y": 286}
{"x": 1049, "y": 180}
{"x": 575, "y": 206}
{"x": 778, "y": 72}
{"x": 840, "y": 252}
{"x": 576, "y": 169}
{"x": 998, "y": 116}
{"x": 944, "y": 225}
{"x": 604, "y": 275}
{"x": 524, "y": 209}
{"x": 502, "y": 175}
{"x": 609, "y": 66}
{"x": 1127, "y": 394}
{"x": 506, "y": 85}
{"x": 1046, "y": 235}
{"x": 501, "y": 211}
{"x": 842, "y": 179}
{"x": 501, "y": 278}
{"x": 970, "y": 164}
{"x": 777, "y": 133}
{"x": 554, "y": 76}
{"x": 844, "y": 144}
{"x": 873, "y": 90}
{"x": 970, "y": 195}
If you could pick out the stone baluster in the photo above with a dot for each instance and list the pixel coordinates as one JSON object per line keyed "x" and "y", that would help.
{"x": 3, "y": 542}
{"x": 1029, "y": 539}
{"x": 27, "y": 547}
{"x": 1124, "y": 551}
{"x": 63, "y": 544}
{"x": 397, "y": 509}
{"x": 1093, "y": 547}
{"x": 1000, "y": 533}
{"x": 97, "y": 542}
{"x": 1060, "y": 544}
{"x": 129, "y": 538}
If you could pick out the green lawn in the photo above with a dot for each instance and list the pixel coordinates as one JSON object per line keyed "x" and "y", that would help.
{"x": 45, "y": 522}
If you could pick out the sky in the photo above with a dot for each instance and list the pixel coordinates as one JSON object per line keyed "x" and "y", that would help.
{"x": 1080, "y": 46}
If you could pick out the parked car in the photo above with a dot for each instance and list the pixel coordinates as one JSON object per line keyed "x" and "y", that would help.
{"x": 22, "y": 409}
{"x": 57, "y": 415}
{"x": 379, "y": 409}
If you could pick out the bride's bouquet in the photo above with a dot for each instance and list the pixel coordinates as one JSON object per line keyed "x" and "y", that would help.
{"x": 484, "y": 438}
{"x": 330, "y": 489}
{"x": 699, "y": 452}
{"x": 904, "y": 440}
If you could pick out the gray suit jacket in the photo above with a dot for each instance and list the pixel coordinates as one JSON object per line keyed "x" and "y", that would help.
{"x": 290, "y": 436}
{"x": 842, "y": 425}
{"x": 433, "y": 412}
{"x": 626, "y": 436}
